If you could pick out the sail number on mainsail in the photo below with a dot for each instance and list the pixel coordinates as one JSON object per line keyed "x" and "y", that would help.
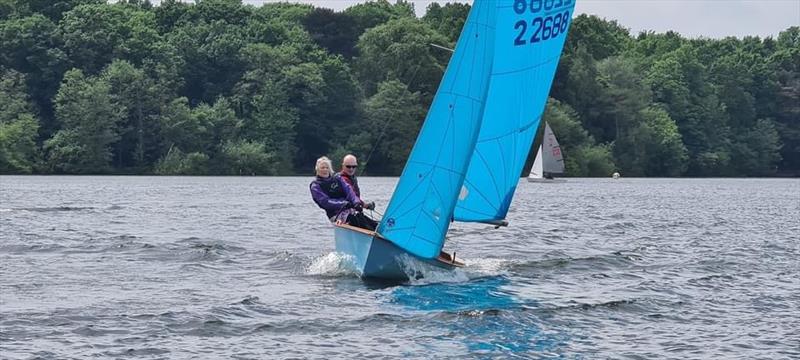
{"x": 545, "y": 27}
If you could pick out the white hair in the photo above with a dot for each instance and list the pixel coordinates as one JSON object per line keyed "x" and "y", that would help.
{"x": 323, "y": 160}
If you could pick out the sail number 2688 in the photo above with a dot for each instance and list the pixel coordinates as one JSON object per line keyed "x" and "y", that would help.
{"x": 543, "y": 28}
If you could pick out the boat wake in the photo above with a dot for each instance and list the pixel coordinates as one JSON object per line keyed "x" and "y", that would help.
{"x": 336, "y": 264}
{"x": 333, "y": 264}
{"x": 475, "y": 269}
{"x": 488, "y": 266}
{"x": 422, "y": 273}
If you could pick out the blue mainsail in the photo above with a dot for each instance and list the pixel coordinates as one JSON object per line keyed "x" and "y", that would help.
{"x": 530, "y": 37}
{"x": 421, "y": 207}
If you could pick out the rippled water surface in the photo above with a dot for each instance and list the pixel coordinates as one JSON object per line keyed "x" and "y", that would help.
{"x": 184, "y": 268}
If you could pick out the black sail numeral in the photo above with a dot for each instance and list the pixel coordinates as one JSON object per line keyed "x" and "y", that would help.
{"x": 537, "y": 24}
{"x": 524, "y": 26}
{"x": 544, "y": 28}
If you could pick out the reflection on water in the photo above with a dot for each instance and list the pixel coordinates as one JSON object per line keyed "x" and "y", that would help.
{"x": 483, "y": 314}
{"x": 483, "y": 294}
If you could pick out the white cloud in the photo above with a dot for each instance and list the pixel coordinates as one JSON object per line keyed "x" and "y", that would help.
{"x": 693, "y": 18}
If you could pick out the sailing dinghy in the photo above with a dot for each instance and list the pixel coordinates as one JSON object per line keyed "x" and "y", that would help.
{"x": 466, "y": 161}
{"x": 549, "y": 160}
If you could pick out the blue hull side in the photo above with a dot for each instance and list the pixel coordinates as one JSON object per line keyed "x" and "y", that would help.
{"x": 376, "y": 257}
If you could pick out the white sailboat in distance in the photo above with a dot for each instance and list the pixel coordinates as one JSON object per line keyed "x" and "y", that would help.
{"x": 549, "y": 160}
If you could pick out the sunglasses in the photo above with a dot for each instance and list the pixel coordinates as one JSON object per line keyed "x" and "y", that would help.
{"x": 351, "y": 166}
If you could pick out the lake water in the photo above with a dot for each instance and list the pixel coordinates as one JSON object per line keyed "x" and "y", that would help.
{"x": 243, "y": 268}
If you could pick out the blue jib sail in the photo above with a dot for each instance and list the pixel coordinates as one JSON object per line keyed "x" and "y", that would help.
{"x": 530, "y": 36}
{"x": 421, "y": 207}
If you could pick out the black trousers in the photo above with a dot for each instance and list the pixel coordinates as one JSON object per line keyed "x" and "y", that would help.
{"x": 363, "y": 221}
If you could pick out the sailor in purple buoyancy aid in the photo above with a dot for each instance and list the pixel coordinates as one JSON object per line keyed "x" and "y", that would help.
{"x": 332, "y": 194}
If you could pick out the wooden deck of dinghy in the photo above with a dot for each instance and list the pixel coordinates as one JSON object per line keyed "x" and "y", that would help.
{"x": 443, "y": 256}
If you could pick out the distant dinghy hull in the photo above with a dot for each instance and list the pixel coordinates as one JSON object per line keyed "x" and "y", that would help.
{"x": 377, "y": 258}
{"x": 546, "y": 181}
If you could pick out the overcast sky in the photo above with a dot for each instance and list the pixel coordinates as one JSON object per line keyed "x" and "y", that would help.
{"x": 692, "y": 18}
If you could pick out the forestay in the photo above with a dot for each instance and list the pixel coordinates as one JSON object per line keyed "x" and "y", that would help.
{"x": 530, "y": 37}
{"x": 421, "y": 207}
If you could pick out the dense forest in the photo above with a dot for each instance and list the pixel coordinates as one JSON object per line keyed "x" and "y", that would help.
{"x": 218, "y": 87}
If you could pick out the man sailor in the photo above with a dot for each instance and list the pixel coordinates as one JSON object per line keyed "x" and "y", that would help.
{"x": 348, "y": 174}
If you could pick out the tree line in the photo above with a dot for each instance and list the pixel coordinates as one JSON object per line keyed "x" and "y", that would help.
{"x": 222, "y": 88}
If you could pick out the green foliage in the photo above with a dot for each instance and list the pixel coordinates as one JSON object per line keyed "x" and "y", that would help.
{"x": 247, "y": 158}
{"x": 623, "y": 95}
{"x": 401, "y": 50}
{"x": 284, "y": 12}
{"x": 18, "y": 148}
{"x": 646, "y": 139}
{"x": 336, "y": 156}
{"x": 201, "y": 129}
{"x": 49, "y": 8}
{"x": 139, "y": 95}
{"x": 653, "y": 46}
{"x": 223, "y": 87}
{"x": 578, "y": 86}
{"x": 30, "y": 45}
{"x": 757, "y": 151}
{"x": 334, "y": 31}
{"x": 653, "y": 147}
{"x": 601, "y": 38}
{"x": 224, "y": 126}
{"x": 169, "y": 14}
{"x": 785, "y": 62}
{"x": 13, "y": 98}
{"x": 591, "y": 161}
{"x": 181, "y": 128}
{"x": 563, "y": 119}
{"x": 272, "y": 123}
{"x": 90, "y": 121}
{"x": 94, "y": 35}
{"x": 582, "y": 156}
{"x": 666, "y": 79}
{"x": 176, "y": 162}
{"x": 448, "y": 19}
{"x": 210, "y": 53}
{"x": 227, "y": 11}
{"x": 394, "y": 117}
{"x": 373, "y": 13}
{"x": 6, "y": 9}
{"x": 285, "y": 84}
{"x": 303, "y": 84}
{"x": 18, "y": 126}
